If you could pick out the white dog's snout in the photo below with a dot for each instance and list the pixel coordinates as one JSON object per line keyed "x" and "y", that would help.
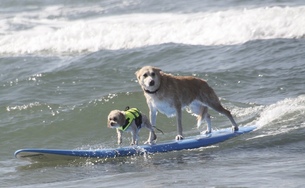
{"x": 111, "y": 124}
{"x": 148, "y": 82}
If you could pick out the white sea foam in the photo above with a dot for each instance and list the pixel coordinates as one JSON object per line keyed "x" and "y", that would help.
{"x": 22, "y": 107}
{"x": 36, "y": 32}
{"x": 290, "y": 109}
{"x": 282, "y": 117}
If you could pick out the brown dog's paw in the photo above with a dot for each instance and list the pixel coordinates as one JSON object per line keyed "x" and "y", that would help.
{"x": 179, "y": 137}
{"x": 234, "y": 129}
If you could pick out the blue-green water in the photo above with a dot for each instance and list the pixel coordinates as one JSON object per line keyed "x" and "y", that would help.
{"x": 65, "y": 66}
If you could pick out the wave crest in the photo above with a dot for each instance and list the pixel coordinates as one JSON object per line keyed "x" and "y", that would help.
{"x": 138, "y": 30}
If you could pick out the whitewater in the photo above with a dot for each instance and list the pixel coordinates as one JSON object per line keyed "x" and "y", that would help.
{"x": 49, "y": 31}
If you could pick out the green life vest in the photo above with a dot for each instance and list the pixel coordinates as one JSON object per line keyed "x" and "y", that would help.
{"x": 130, "y": 115}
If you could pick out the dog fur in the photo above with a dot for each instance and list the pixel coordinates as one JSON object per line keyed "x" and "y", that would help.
{"x": 170, "y": 94}
{"x": 116, "y": 119}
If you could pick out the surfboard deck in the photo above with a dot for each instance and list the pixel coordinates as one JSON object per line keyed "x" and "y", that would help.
{"x": 191, "y": 142}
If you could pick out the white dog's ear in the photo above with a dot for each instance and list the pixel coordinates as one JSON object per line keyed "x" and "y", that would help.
{"x": 121, "y": 119}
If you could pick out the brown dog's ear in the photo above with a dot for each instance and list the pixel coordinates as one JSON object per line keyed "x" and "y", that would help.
{"x": 156, "y": 69}
{"x": 136, "y": 73}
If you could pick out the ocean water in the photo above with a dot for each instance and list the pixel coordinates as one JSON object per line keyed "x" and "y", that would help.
{"x": 64, "y": 65}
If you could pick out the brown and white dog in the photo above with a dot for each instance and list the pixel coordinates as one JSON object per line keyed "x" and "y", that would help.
{"x": 171, "y": 94}
{"x": 122, "y": 121}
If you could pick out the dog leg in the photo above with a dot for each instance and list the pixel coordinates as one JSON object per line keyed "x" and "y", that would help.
{"x": 179, "y": 123}
{"x": 219, "y": 108}
{"x": 152, "y": 115}
{"x": 204, "y": 115}
{"x": 119, "y": 136}
{"x": 134, "y": 138}
{"x": 146, "y": 123}
{"x": 228, "y": 114}
{"x": 199, "y": 121}
{"x": 207, "y": 118}
{"x": 152, "y": 137}
{"x": 200, "y": 113}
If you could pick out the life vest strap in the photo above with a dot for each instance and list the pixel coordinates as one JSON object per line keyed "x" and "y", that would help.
{"x": 130, "y": 115}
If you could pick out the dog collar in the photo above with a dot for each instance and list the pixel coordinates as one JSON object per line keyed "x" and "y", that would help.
{"x": 151, "y": 92}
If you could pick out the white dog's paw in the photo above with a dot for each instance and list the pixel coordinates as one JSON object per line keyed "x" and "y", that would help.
{"x": 179, "y": 137}
{"x": 147, "y": 142}
{"x": 133, "y": 143}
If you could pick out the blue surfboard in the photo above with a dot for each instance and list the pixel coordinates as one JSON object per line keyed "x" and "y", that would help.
{"x": 191, "y": 142}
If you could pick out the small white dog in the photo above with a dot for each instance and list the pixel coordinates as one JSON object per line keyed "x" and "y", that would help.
{"x": 170, "y": 94}
{"x": 130, "y": 120}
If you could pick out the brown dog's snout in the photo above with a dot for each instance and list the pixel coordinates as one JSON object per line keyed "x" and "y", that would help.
{"x": 152, "y": 83}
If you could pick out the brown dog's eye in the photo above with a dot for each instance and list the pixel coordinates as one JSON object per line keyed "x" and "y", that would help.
{"x": 114, "y": 119}
{"x": 153, "y": 74}
{"x": 144, "y": 75}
